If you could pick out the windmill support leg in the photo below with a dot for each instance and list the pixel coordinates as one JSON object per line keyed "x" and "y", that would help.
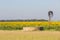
{"x": 49, "y": 22}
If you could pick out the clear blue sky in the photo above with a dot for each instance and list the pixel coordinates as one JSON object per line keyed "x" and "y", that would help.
{"x": 29, "y": 9}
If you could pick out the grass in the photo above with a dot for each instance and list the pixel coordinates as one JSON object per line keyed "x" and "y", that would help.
{"x": 35, "y": 35}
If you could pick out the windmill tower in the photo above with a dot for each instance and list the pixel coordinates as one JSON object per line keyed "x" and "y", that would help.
{"x": 50, "y": 15}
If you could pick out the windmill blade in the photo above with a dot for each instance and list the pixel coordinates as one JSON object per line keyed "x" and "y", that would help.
{"x": 50, "y": 13}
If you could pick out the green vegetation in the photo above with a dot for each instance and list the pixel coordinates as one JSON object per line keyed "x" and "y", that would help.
{"x": 7, "y": 27}
{"x": 55, "y": 26}
{"x": 19, "y": 27}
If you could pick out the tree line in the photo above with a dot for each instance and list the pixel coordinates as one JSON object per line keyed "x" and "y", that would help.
{"x": 28, "y": 20}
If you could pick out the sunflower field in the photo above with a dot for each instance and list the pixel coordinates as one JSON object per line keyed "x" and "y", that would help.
{"x": 20, "y": 25}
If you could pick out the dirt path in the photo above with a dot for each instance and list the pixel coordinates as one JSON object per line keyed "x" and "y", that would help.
{"x": 36, "y": 35}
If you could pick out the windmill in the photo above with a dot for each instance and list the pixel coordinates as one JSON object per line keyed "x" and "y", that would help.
{"x": 50, "y": 15}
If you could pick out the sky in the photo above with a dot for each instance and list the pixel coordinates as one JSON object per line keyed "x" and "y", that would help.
{"x": 29, "y": 9}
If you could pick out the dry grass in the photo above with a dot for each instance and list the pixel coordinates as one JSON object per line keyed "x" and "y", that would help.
{"x": 35, "y": 35}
